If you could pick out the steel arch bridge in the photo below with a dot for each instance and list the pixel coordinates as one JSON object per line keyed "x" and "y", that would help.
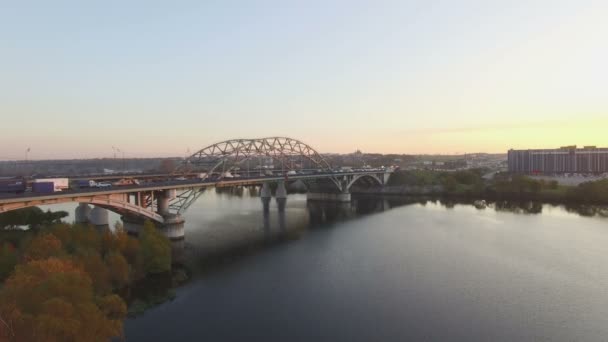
{"x": 236, "y": 154}
{"x": 160, "y": 201}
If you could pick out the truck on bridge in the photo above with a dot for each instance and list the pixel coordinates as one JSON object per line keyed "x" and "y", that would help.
{"x": 59, "y": 184}
{"x": 13, "y": 185}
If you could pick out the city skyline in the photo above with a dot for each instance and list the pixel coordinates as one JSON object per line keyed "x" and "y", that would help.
{"x": 392, "y": 77}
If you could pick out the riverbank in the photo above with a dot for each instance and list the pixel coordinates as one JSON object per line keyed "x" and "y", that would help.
{"x": 471, "y": 184}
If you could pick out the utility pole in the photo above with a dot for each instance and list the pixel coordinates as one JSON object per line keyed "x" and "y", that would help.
{"x": 27, "y": 151}
{"x": 123, "y": 160}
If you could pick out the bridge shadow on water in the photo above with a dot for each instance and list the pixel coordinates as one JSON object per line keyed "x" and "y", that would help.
{"x": 241, "y": 224}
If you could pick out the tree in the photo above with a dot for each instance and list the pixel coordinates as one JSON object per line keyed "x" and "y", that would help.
{"x": 449, "y": 183}
{"x": 155, "y": 250}
{"x": 53, "y": 300}
{"x": 553, "y": 184}
{"x": 118, "y": 269}
{"x": 43, "y": 246}
{"x": 8, "y": 260}
{"x": 128, "y": 246}
{"x": 97, "y": 270}
{"x": 85, "y": 238}
{"x": 20, "y": 217}
{"x": 109, "y": 242}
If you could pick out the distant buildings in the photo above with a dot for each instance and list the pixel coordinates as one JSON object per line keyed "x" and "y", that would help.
{"x": 567, "y": 159}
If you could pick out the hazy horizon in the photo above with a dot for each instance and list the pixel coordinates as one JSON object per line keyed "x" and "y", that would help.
{"x": 407, "y": 77}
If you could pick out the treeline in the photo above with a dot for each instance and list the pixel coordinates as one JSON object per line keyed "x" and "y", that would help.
{"x": 466, "y": 181}
{"x": 61, "y": 283}
{"x": 471, "y": 183}
{"x": 33, "y": 217}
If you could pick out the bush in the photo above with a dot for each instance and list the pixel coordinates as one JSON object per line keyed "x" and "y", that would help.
{"x": 155, "y": 250}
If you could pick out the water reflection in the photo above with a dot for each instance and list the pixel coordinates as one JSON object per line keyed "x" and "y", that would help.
{"x": 231, "y": 222}
{"x": 328, "y": 212}
{"x": 367, "y": 205}
{"x": 379, "y": 277}
{"x": 525, "y": 207}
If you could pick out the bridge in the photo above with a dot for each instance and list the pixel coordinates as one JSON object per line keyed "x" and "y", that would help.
{"x": 238, "y": 162}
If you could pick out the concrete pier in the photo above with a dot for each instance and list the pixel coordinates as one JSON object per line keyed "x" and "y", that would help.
{"x": 99, "y": 217}
{"x": 163, "y": 201}
{"x": 133, "y": 225}
{"x": 266, "y": 196}
{"x": 281, "y": 191}
{"x": 82, "y": 213}
{"x": 174, "y": 229}
{"x": 265, "y": 192}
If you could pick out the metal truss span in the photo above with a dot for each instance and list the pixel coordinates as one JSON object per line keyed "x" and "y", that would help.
{"x": 254, "y": 154}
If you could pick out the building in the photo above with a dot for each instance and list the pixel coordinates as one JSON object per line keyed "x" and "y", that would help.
{"x": 567, "y": 159}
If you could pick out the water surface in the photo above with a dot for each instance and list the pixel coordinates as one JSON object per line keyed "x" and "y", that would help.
{"x": 387, "y": 271}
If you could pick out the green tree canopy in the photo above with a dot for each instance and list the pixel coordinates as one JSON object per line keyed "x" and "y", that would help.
{"x": 155, "y": 250}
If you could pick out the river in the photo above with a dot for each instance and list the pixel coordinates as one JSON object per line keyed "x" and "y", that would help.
{"x": 379, "y": 270}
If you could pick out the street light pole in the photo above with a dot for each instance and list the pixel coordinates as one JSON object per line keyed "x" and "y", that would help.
{"x": 27, "y": 151}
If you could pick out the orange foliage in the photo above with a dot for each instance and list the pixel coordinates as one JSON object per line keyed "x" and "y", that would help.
{"x": 43, "y": 246}
{"x": 97, "y": 270}
{"x": 53, "y": 300}
{"x": 118, "y": 269}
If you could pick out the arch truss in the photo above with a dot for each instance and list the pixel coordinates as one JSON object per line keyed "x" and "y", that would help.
{"x": 256, "y": 155}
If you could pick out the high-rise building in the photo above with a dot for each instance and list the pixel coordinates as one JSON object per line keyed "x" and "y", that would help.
{"x": 567, "y": 159}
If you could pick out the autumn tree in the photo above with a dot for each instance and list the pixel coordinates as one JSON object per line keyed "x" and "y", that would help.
{"x": 8, "y": 260}
{"x": 97, "y": 270}
{"x": 53, "y": 300}
{"x": 118, "y": 270}
{"x": 43, "y": 246}
{"x": 155, "y": 250}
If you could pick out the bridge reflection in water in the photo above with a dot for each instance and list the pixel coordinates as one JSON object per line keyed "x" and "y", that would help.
{"x": 230, "y": 222}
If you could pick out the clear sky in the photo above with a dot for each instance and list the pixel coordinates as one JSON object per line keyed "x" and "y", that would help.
{"x": 158, "y": 78}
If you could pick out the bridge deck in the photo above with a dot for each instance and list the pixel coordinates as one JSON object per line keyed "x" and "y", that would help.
{"x": 167, "y": 185}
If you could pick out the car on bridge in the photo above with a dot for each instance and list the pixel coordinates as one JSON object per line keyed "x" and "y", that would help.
{"x": 104, "y": 185}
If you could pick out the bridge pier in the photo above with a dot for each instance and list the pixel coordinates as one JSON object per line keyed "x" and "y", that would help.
{"x": 265, "y": 192}
{"x": 281, "y": 196}
{"x": 82, "y": 213}
{"x": 266, "y": 196}
{"x": 99, "y": 217}
{"x": 174, "y": 229}
{"x": 163, "y": 201}
{"x": 133, "y": 225}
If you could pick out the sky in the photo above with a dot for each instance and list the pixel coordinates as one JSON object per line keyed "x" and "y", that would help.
{"x": 164, "y": 78}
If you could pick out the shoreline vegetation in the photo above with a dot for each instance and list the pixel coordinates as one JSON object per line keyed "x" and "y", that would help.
{"x": 75, "y": 282}
{"x": 471, "y": 184}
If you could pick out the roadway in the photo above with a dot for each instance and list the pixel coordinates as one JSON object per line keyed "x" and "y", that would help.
{"x": 6, "y": 198}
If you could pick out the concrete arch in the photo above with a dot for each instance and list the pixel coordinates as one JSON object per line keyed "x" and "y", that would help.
{"x": 117, "y": 204}
{"x": 373, "y": 178}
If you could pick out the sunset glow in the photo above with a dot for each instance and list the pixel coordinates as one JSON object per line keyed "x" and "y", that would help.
{"x": 400, "y": 77}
